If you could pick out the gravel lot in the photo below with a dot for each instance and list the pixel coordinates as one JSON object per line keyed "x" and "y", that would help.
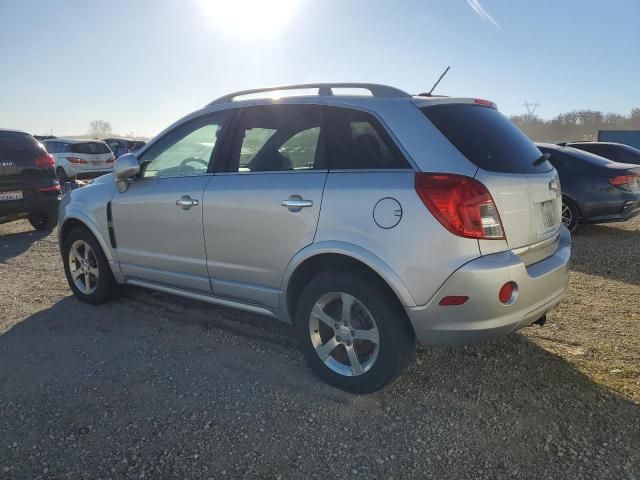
{"x": 154, "y": 387}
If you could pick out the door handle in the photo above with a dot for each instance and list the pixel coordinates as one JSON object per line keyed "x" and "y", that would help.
{"x": 295, "y": 203}
{"x": 186, "y": 202}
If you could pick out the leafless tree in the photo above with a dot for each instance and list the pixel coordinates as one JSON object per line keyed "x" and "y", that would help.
{"x": 99, "y": 129}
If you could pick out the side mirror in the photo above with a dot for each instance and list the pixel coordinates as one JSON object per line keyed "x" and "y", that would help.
{"x": 126, "y": 167}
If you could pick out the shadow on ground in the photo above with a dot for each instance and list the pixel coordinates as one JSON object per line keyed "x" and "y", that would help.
{"x": 131, "y": 389}
{"x": 13, "y": 244}
{"x": 621, "y": 247}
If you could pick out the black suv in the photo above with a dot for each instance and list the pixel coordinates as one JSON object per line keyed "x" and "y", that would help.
{"x": 28, "y": 184}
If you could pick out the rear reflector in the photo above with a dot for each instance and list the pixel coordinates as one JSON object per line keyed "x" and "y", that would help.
{"x": 461, "y": 204}
{"x": 453, "y": 300}
{"x": 505, "y": 295}
{"x": 45, "y": 161}
{"x": 52, "y": 188}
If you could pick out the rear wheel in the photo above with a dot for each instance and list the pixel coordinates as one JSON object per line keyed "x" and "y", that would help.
{"x": 353, "y": 332}
{"x": 86, "y": 267}
{"x": 43, "y": 220}
{"x": 570, "y": 214}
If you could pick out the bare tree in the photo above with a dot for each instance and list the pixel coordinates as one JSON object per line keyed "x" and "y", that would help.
{"x": 99, "y": 129}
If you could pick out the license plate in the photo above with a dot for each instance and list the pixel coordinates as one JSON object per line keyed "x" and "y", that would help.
{"x": 549, "y": 213}
{"x": 8, "y": 196}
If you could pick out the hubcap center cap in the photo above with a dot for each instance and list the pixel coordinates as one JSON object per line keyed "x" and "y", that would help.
{"x": 344, "y": 333}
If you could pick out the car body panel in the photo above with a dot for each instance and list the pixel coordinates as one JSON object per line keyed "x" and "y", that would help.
{"x": 251, "y": 237}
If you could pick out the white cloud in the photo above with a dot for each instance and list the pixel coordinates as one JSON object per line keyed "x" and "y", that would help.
{"x": 482, "y": 13}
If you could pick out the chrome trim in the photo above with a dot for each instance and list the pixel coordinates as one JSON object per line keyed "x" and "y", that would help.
{"x": 204, "y": 298}
{"x": 536, "y": 246}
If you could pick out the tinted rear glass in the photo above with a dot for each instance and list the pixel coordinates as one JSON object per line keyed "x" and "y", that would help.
{"x": 487, "y": 138}
{"x": 89, "y": 148}
{"x": 12, "y": 141}
{"x": 591, "y": 158}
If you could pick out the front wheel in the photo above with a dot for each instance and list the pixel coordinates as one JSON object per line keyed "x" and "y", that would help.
{"x": 86, "y": 267}
{"x": 353, "y": 332}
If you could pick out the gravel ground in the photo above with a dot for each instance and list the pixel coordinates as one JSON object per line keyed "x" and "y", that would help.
{"x": 155, "y": 387}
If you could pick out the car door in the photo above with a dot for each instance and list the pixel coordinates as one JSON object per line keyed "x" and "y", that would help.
{"x": 158, "y": 220}
{"x": 263, "y": 207}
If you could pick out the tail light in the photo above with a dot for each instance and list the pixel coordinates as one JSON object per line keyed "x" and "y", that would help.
{"x": 52, "y": 188}
{"x": 461, "y": 204}
{"x": 624, "y": 181}
{"x": 76, "y": 160}
{"x": 45, "y": 161}
{"x": 111, "y": 160}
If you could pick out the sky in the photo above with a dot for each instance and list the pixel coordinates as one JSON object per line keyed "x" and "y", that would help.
{"x": 142, "y": 64}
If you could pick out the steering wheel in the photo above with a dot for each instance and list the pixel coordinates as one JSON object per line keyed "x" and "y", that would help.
{"x": 194, "y": 159}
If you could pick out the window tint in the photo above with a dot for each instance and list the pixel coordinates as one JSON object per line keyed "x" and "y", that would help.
{"x": 487, "y": 138}
{"x": 277, "y": 138}
{"x": 89, "y": 148}
{"x": 357, "y": 141}
{"x": 51, "y": 147}
{"x": 602, "y": 150}
{"x": 13, "y": 141}
{"x": 186, "y": 151}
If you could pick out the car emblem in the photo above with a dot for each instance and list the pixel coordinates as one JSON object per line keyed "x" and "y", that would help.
{"x": 7, "y": 163}
{"x": 553, "y": 185}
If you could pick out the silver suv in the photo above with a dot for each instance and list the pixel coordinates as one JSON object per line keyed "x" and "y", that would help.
{"x": 367, "y": 222}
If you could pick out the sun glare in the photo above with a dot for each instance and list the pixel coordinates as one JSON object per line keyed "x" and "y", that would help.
{"x": 249, "y": 18}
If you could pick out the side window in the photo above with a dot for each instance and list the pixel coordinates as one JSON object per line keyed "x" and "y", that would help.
{"x": 185, "y": 151}
{"x": 356, "y": 140}
{"x": 277, "y": 138}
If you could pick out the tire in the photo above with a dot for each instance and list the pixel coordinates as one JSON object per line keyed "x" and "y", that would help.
{"x": 570, "y": 214}
{"x": 43, "y": 221}
{"x": 371, "y": 306}
{"x": 100, "y": 285}
{"x": 62, "y": 175}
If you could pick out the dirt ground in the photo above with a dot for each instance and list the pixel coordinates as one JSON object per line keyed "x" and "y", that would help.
{"x": 153, "y": 387}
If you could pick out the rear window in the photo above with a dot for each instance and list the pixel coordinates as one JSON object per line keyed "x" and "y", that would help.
{"x": 89, "y": 148}
{"x": 487, "y": 138}
{"x": 12, "y": 141}
{"x": 592, "y": 158}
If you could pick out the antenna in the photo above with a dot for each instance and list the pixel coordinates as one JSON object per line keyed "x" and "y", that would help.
{"x": 428, "y": 94}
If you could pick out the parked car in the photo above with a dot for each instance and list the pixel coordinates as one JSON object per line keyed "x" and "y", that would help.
{"x": 120, "y": 146}
{"x": 367, "y": 222}
{"x": 28, "y": 184}
{"x": 618, "y": 152}
{"x": 80, "y": 159}
{"x": 594, "y": 189}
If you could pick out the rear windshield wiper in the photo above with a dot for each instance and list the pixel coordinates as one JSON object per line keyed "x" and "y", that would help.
{"x": 542, "y": 159}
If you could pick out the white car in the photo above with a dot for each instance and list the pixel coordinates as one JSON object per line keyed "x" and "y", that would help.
{"x": 78, "y": 159}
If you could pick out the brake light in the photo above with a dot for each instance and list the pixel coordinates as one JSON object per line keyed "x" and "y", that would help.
{"x": 45, "y": 161}
{"x": 484, "y": 103}
{"x": 111, "y": 160}
{"x": 76, "y": 160}
{"x": 461, "y": 204}
{"x": 52, "y": 188}
{"x": 623, "y": 180}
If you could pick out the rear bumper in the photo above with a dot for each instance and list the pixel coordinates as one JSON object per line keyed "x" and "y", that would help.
{"x": 86, "y": 172}
{"x": 627, "y": 209}
{"x": 483, "y": 317}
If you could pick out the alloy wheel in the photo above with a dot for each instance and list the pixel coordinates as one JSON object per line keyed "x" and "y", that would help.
{"x": 344, "y": 334}
{"x": 567, "y": 214}
{"x": 83, "y": 266}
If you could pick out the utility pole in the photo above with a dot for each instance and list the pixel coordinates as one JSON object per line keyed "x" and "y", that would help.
{"x": 531, "y": 109}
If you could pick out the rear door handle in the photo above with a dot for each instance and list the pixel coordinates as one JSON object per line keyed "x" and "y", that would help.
{"x": 295, "y": 203}
{"x": 186, "y": 202}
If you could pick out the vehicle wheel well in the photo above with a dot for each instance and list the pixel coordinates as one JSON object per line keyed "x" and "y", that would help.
{"x": 575, "y": 204}
{"x": 69, "y": 225}
{"x": 333, "y": 262}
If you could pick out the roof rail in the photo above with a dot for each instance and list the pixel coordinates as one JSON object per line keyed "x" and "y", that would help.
{"x": 324, "y": 89}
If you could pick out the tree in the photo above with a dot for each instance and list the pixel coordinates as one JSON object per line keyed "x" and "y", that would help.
{"x": 99, "y": 129}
